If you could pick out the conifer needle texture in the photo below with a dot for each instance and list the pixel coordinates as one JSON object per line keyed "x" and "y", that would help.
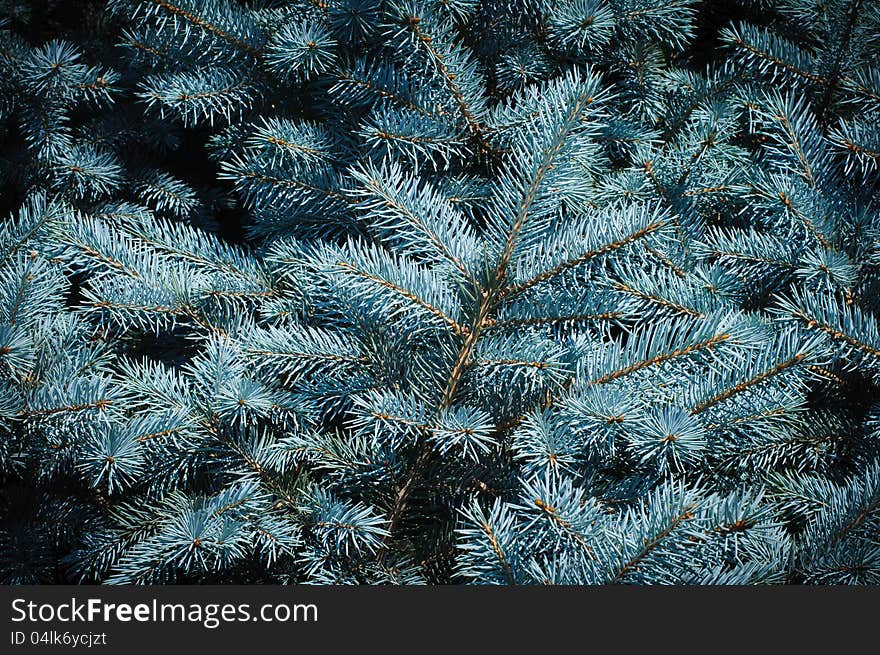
{"x": 453, "y": 291}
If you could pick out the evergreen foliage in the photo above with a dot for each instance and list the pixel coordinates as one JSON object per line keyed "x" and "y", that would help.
{"x": 432, "y": 291}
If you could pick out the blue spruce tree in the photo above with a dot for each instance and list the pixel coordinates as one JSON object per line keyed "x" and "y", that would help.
{"x": 456, "y": 291}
